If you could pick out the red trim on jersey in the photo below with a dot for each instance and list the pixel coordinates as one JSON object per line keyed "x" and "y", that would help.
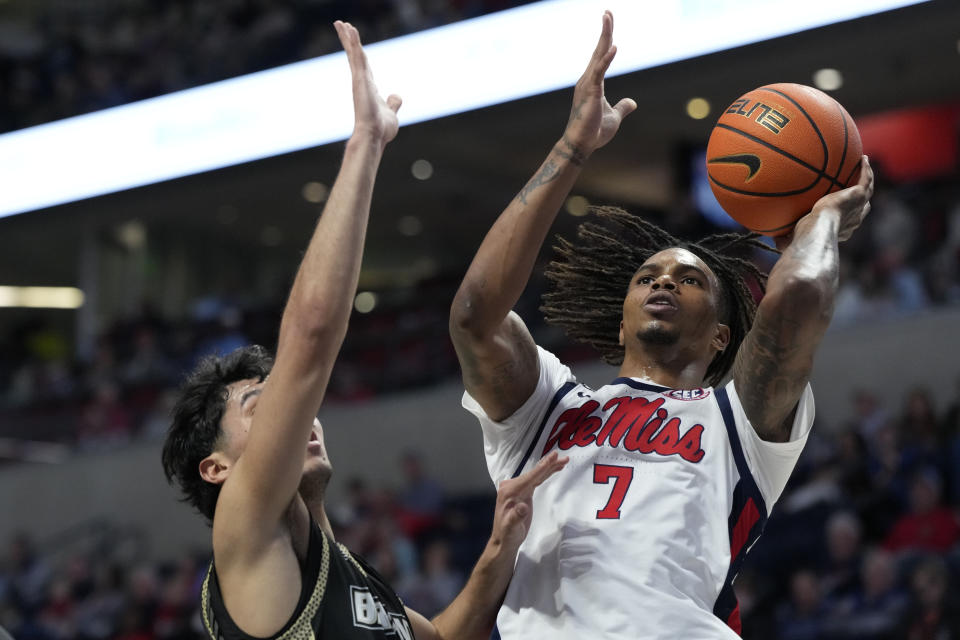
{"x": 741, "y": 531}
{"x": 734, "y": 620}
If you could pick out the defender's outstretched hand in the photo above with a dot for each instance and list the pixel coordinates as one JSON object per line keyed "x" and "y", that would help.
{"x": 593, "y": 122}
{"x": 372, "y": 114}
{"x": 514, "y": 511}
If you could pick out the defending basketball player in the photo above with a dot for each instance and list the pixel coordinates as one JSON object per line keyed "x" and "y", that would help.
{"x": 674, "y": 465}
{"x": 245, "y": 443}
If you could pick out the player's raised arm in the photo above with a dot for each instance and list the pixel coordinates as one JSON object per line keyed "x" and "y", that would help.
{"x": 264, "y": 480}
{"x": 473, "y": 613}
{"x": 774, "y": 362}
{"x": 497, "y": 354}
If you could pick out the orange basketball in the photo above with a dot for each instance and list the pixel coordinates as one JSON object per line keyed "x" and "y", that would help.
{"x": 776, "y": 151}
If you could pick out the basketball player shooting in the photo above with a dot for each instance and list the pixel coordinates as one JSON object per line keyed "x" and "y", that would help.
{"x": 674, "y": 465}
{"x": 243, "y": 446}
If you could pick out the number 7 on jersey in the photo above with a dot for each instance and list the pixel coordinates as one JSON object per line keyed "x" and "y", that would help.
{"x": 622, "y": 477}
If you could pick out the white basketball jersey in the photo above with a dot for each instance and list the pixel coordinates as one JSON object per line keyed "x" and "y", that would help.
{"x": 643, "y": 532}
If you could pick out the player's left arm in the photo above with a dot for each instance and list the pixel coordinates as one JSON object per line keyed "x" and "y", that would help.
{"x": 774, "y": 362}
{"x": 473, "y": 612}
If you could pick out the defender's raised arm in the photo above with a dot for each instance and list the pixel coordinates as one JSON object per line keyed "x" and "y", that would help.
{"x": 497, "y": 354}
{"x": 257, "y": 569}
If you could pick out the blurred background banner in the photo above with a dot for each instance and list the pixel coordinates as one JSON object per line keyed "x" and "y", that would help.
{"x": 442, "y": 71}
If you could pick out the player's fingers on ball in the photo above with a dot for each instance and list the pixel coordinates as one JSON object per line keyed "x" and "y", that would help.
{"x": 866, "y": 172}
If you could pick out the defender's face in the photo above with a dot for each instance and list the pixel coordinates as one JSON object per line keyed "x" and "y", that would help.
{"x": 672, "y": 300}
{"x": 241, "y": 407}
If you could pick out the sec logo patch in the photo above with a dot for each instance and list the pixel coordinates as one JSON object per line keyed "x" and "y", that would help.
{"x": 687, "y": 394}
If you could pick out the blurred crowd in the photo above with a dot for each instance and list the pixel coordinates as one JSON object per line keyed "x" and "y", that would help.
{"x": 86, "y": 56}
{"x": 123, "y": 391}
{"x": 906, "y": 256}
{"x": 864, "y": 544}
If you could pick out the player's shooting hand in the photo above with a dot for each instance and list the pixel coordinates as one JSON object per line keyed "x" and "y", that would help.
{"x": 593, "y": 122}
{"x": 372, "y": 114}
{"x": 852, "y": 203}
{"x": 514, "y": 512}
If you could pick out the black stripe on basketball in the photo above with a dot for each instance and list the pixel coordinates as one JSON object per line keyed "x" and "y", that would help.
{"x": 823, "y": 143}
{"x": 819, "y": 173}
{"x": 783, "y": 194}
{"x": 846, "y": 133}
{"x": 843, "y": 156}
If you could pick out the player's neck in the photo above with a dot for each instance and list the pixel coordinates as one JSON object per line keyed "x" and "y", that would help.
{"x": 318, "y": 511}
{"x": 663, "y": 367}
{"x": 320, "y": 515}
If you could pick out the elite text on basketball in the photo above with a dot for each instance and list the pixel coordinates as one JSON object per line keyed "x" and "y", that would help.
{"x": 766, "y": 115}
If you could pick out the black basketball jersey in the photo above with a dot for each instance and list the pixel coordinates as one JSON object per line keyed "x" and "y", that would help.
{"x": 341, "y": 596}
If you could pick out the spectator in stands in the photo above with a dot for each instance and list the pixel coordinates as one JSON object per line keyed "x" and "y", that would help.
{"x": 839, "y": 577}
{"x": 804, "y": 616}
{"x": 148, "y": 363}
{"x": 99, "y": 613}
{"x": 437, "y": 584}
{"x": 934, "y": 611}
{"x": 889, "y": 470}
{"x": 852, "y": 466}
{"x": 875, "y": 611}
{"x": 29, "y": 573}
{"x": 928, "y": 526}
{"x": 917, "y": 427}
{"x": 106, "y": 422}
{"x": 869, "y": 414}
{"x": 422, "y": 497}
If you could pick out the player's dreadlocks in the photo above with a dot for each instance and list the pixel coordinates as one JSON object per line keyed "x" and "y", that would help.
{"x": 590, "y": 279}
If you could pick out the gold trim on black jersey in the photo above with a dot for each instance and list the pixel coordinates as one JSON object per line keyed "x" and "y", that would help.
{"x": 301, "y": 629}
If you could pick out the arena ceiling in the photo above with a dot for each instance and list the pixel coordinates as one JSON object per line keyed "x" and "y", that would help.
{"x": 480, "y": 159}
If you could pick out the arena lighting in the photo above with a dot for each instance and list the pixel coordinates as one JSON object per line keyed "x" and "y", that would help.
{"x": 698, "y": 108}
{"x": 41, "y": 297}
{"x": 827, "y": 79}
{"x": 466, "y": 65}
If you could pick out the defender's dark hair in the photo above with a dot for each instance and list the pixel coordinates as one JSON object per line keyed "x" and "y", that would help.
{"x": 589, "y": 281}
{"x": 195, "y": 432}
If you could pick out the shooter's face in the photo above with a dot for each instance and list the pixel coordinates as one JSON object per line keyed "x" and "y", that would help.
{"x": 243, "y": 397}
{"x": 673, "y": 300}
